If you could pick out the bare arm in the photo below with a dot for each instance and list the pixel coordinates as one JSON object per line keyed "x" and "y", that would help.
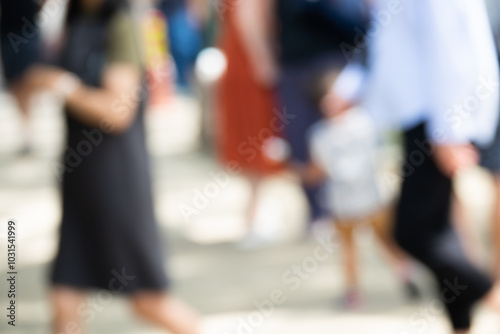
{"x": 310, "y": 174}
{"x": 255, "y": 23}
{"x": 200, "y": 9}
{"x": 115, "y": 104}
{"x": 112, "y": 105}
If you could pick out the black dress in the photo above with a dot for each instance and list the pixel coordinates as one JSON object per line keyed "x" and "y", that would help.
{"x": 109, "y": 238}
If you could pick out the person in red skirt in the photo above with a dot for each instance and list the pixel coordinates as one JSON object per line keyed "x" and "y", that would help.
{"x": 248, "y": 118}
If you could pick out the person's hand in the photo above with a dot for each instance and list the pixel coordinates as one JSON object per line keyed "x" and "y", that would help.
{"x": 266, "y": 72}
{"x": 42, "y": 77}
{"x": 342, "y": 104}
{"x": 332, "y": 104}
{"x": 451, "y": 159}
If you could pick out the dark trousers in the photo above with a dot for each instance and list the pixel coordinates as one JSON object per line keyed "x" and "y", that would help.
{"x": 293, "y": 88}
{"x": 423, "y": 229}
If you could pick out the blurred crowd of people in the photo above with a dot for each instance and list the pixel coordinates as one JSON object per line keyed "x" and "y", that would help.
{"x": 305, "y": 88}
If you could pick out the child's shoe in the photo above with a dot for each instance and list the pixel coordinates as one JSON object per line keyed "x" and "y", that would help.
{"x": 352, "y": 300}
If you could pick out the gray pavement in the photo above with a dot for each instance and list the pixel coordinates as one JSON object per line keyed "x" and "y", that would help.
{"x": 235, "y": 290}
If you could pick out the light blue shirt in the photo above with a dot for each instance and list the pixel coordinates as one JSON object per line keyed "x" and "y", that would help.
{"x": 434, "y": 61}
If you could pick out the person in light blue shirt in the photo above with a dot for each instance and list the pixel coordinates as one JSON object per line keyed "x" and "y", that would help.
{"x": 434, "y": 61}
{"x": 433, "y": 72}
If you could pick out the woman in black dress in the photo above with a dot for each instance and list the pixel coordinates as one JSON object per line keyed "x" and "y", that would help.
{"x": 109, "y": 239}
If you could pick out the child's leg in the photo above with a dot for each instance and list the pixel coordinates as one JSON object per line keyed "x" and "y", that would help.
{"x": 382, "y": 225}
{"x": 346, "y": 232}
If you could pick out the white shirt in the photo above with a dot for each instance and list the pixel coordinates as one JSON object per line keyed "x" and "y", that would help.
{"x": 434, "y": 61}
{"x": 346, "y": 148}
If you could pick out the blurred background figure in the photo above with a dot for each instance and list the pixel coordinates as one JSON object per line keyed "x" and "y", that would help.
{"x": 414, "y": 87}
{"x": 345, "y": 151}
{"x": 246, "y": 119}
{"x": 160, "y": 70}
{"x": 185, "y": 35}
{"x": 108, "y": 237}
{"x": 309, "y": 39}
{"x": 20, "y": 48}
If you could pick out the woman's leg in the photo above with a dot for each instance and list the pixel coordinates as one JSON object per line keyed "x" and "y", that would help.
{"x": 255, "y": 235}
{"x": 66, "y": 302}
{"x": 251, "y": 214}
{"x": 166, "y": 312}
{"x": 496, "y": 228}
{"x": 424, "y": 230}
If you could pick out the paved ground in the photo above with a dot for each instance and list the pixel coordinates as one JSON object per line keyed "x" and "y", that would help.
{"x": 231, "y": 287}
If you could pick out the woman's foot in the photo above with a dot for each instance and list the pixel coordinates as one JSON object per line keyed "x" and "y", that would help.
{"x": 167, "y": 312}
{"x": 492, "y": 299}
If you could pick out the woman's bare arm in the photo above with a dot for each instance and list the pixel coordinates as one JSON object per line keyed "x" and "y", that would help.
{"x": 255, "y": 23}
{"x": 113, "y": 105}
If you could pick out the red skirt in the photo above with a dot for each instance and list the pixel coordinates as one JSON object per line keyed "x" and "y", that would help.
{"x": 245, "y": 116}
